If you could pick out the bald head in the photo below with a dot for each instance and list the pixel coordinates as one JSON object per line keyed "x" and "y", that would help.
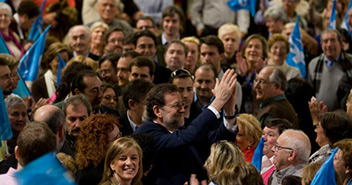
{"x": 51, "y": 115}
{"x": 299, "y": 142}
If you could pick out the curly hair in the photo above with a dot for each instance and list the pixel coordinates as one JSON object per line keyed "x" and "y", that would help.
{"x": 120, "y": 147}
{"x": 223, "y": 156}
{"x": 93, "y": 143}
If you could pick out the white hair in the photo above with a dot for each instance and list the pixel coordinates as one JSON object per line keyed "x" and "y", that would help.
{"x": 299, "y": 142}
{"x": 4, "y": 6}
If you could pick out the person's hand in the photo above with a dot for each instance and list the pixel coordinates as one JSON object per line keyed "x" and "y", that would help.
{"x": 138, "y": 15}
{"x": 261, "y": 63}
{"x": 224, "y": 89}
{"x": 199, "y": 32}
{"x": 39, "y": 103}
{"x": 229, "y": 106}
{"x": 316, "y": 108}
{"x": 242, "y": 64}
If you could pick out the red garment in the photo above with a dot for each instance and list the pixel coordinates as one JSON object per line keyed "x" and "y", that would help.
{"x": 248, "y": 154}
{"x": 71, "y": 3}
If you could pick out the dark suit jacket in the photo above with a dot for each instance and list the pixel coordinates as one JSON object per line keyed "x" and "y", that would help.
{"x": 126, "y": 127}
{"x": 161, "y": 75}
{"x": 177, "y": 157}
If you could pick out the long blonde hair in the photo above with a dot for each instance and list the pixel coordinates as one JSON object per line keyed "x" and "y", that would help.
{"x": 117, "y": 148}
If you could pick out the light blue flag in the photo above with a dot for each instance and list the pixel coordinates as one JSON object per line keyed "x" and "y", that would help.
{"x": 45, "y": 170}
{"x": 326, "y": 173}
{"x": 62, "y": 64}
{"x": 29, "y": 63}
{"x": 295, "y": 57}
{"x": 3, "y": 47}
{"x": 22, "y": 89}
{"x": 332, "y": 24}
{"x": 37, "y": 27}
{"x": 344, "y": 23}
{"x": 243, "y": 4}
{"x": 258, "y": 154}
{"x": 5, "y": 126}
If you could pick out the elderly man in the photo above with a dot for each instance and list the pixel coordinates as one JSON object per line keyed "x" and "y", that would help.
{"x": 79, "y": 37}
{"x": 175, "y": 55}
{"x": 108, "y": 10}
{"x": 270, "y": 85}
{"x": 330, "y": 73}
{"x": 292, "y": 150}
{"x": 178, "y": 157}
{"x": 76, "y": 109}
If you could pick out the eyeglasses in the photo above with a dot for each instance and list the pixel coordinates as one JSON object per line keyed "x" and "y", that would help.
{"x": 177, "y": 106}
{"x": 179, "y": 72}
{"x": 277, "y": 147}
{"x": 261, "y": 81}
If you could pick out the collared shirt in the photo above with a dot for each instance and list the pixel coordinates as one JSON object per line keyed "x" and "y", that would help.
{"x": 163, "y": 39}
{"x": 201, "y": 106}
{"x": 266, "y": 102}
{"x": 330, "y": 63}
{"x": 133, "y": 125}
{"x": 295, "y": 170}
{"x": 9, "y": 177}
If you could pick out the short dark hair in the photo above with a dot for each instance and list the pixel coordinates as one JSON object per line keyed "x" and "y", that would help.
{"x": 213, "y": 40}
{"x": 208, "y": 66}
{"x": 28, "y": 8}
{"x": 148, "y": 145}
{"x": 336, "y": 125}
{"x": 130, "y": 91}
{"x": 111, "y": 30}
{"x": 75, "y": 101}
{"x": 78, "y": 82}
{"x": 112, "y": 57}
{"x": 35, "y": 140}
{"x": 3, "y": 61}
{"x": 128, "y": 39}
{"x": 147, "y": 18}
{"x": 156, "y": 97}
{"x": 172, "y": 10}
{"x": 281, "y": 124}
{"x": 131, "y": 54}
{"x": 175, "y": 41}
{"x": 180, "y": 74}
{"x": 144, "y": 33}
{"x": 142, "y": 61}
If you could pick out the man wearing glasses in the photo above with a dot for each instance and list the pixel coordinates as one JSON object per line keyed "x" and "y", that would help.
{"x": 291, "y": 152}
{"x": 270, "y": 85}
{"x": 178, "y": 156}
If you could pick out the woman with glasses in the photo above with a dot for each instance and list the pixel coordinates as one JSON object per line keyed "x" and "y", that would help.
{"x": 97, "y": 133}
{"x": 332, "y": 127}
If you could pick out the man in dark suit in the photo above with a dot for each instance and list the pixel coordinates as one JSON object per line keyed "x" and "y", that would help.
{"x": 134, "y": 97}
{"x": 177, "y": 156}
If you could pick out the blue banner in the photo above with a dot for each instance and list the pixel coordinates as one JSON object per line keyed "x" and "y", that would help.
{"x": 5, "y": 126}
{"x": 295, "y": 57}
{"x": 45, "y": 170}
{"x": 326, "y": 173}
{"x": 62, "y": 64}
{"x": 3, "y": 47}
{"x": 243, "y": 4}
{"x": 37, "y": 27}
{"x": 22, "y": 89}
{"x": 258, "y": 155}
{"x": 332, "y": 24}
{"x": 29, "y": 63}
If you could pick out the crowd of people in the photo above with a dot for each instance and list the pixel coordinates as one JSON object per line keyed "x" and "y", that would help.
{"x": 180, "y": 92}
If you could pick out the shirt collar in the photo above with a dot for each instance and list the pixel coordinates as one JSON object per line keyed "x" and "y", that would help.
{"x": 133, "y": 125}
{"x": 205, "y": 106}
{"x": 273, "y": 99}
{"x": 164, "y": 42}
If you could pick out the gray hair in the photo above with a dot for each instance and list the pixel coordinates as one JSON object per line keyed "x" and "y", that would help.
{"x": 13, "y": 100}
{"x": 276, "y": 12}
{"x": 119, "y": 5}
{"x": 299, "y": 142}
{"x": 75, "y": 101}
{"x": 339, "y": 36}
{"x": 278, "y": 77}
{"x": 4, "y": 6}
{"x": 76, "y": 26}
